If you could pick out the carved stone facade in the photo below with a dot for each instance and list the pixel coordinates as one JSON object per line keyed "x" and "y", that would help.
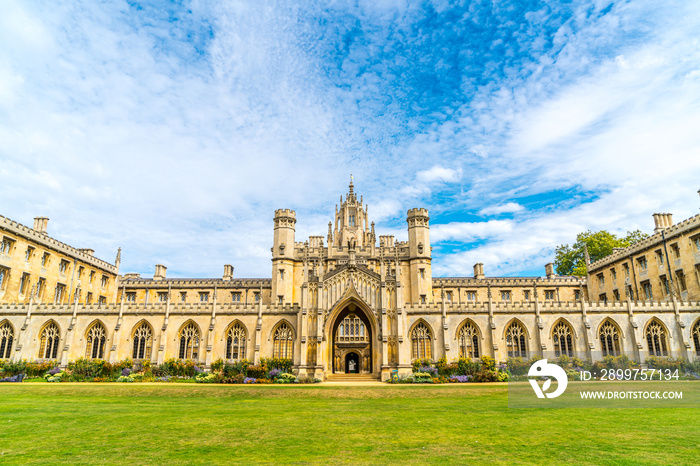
{"x": 384, "y": 289}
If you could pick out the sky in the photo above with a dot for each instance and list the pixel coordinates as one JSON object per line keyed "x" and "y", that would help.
{"x": 174, "y": 129}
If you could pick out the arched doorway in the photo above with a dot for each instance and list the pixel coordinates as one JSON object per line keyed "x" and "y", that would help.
{"x": 352, "y": 342}
{"x": 352, "y": 363}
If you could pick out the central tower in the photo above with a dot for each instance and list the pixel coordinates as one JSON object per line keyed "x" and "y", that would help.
{"x": 351, "y": 222}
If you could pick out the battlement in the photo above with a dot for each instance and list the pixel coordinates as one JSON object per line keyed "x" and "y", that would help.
{"x": 289, "y": 213}
{"x": 40, "y": 237}
{"x": 647, "y": 243}
{"x": 417, "y": 212}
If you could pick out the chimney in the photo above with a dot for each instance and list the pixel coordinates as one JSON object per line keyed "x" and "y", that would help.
{"x": 549, "y": 270}
{"x": 662, "y": 221}
{"x": 160, "y": 272}
{"x": 669, "y": 220}
{"x": 228, "y": 272}
{"x": 40, "y": 224}
{"x": 479, "y": 271}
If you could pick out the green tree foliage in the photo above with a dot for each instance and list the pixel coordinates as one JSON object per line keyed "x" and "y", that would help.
{"x": 570, "y": 260}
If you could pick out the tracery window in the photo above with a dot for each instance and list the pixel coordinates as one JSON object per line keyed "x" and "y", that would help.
{"x": 468, "y": 339}
{"x": 421, "y": 344}
{"x": 696, "y": 337}
{"x": 235, "y": 342}
{"x": 96, "y": 338}
{"x": 656, "y": 339}
{"x": 6, "y": 337}
{"x": 352, "y": 328}
{"x": 48, "y": 346}
{"x": 609, "y": 339}
{"x": 563, "y": 340}
{"x": 283, "y": 342}
{"x": 515, "y": 340}
{"x": 189, "y": 342}
{"x": 143, "y": 341}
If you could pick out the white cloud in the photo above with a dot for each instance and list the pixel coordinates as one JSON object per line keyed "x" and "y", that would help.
{"x": 439, "y": 174}
{"x": 509, "y": 207}
{"x": 466, "y": 231}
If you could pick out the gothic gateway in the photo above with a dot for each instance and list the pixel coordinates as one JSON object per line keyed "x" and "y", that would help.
{"x": 348, "y": 302}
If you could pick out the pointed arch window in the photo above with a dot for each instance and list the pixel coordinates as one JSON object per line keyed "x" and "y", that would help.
{"x": 468, "y": 339}
{"x": 235, "y": 342}
{"x": 189, "y": 342}
{"x": 48, "y": 346}
{"x": 696, "y": 337}
{"x": 563, "y": 338}
{"x": 656, "y": 339}
{"x": 6, "y": 338}
{"x": 421, "y": 342}
{"x": 283, "y": 342}
{"x": 96, "y": 338}
{"x": 609, "y": 339}
{"x": 515, "y": 340}
{"x": 143, "y": 341}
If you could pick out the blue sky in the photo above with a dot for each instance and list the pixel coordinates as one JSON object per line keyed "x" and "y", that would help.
{"x": 175, "y": 129}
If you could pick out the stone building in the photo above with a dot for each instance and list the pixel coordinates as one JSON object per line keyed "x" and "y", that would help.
{"x": 348, "y": 302}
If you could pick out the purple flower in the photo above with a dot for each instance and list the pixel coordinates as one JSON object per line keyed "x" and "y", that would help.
{"x": 197, "y": 369}
{"x": 274, "y": 373}
{"x": 249, "y": 380}
{"x": 55, "y": 371}
{"x": 126, "y": 371}
{"x": 461, "y": 378}
{"x": 430, "y": 370}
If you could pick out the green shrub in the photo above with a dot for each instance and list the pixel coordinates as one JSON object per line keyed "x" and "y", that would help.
{"x": 488, "y": 363}
{"x": 238, "y": 367}
{"x": 286, "y": 378}
{"x": 257, "y": 372}
{"x": 283, "y": 364}
{"x": 218, "y": 365}
{"x": 418, "y": 363}
{"x": 667, "y": 363}
{"x": 487, "y": 376}
{"x": 422, "y": 377}
{"x": 176, "y": 367}
{"x": 517, "y": 366}
{"x": 468, "y": 366}
{"x": 83, "y": 368}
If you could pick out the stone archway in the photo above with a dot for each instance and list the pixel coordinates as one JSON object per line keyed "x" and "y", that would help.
{"x": 352, "y": 340}
{"x": 352, "y": 363}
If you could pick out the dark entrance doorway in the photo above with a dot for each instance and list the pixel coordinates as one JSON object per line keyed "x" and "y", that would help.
{"x": 352, "y": 342}
{"x": 352, "y": 363}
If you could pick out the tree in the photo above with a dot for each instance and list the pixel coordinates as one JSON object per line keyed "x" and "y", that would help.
{"x": 570, "y": 260}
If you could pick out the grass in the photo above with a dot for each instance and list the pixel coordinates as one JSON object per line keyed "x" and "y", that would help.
{"x": 212, "y": 424}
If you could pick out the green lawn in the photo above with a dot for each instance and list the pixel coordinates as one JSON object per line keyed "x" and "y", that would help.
{"x": 210, "y": 424}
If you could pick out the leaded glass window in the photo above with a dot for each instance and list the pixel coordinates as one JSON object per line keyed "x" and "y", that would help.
{"x": 143, "y": 341}
{"x": 609, "y": 339}
{"x": 563, "y": 340}
{"x": 6, "y": 338}
{"x": 352, "y": 328}
{"x": 515, "y": 340}
{"x": 283, "y": 342}
{"x": 189, "y": 342}
{"x": 235, "y": 342}
{"x": 656, "y": 339}
{"x": 421, "y": 344}
{"x": 96, "y": 337}
{"x": 468, "y": 339}
{"x": 48, "y": 346}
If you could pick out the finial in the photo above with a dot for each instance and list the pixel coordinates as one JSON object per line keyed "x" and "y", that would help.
{"x": 119, "y": 256}
{"x": 351, "y": 185}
